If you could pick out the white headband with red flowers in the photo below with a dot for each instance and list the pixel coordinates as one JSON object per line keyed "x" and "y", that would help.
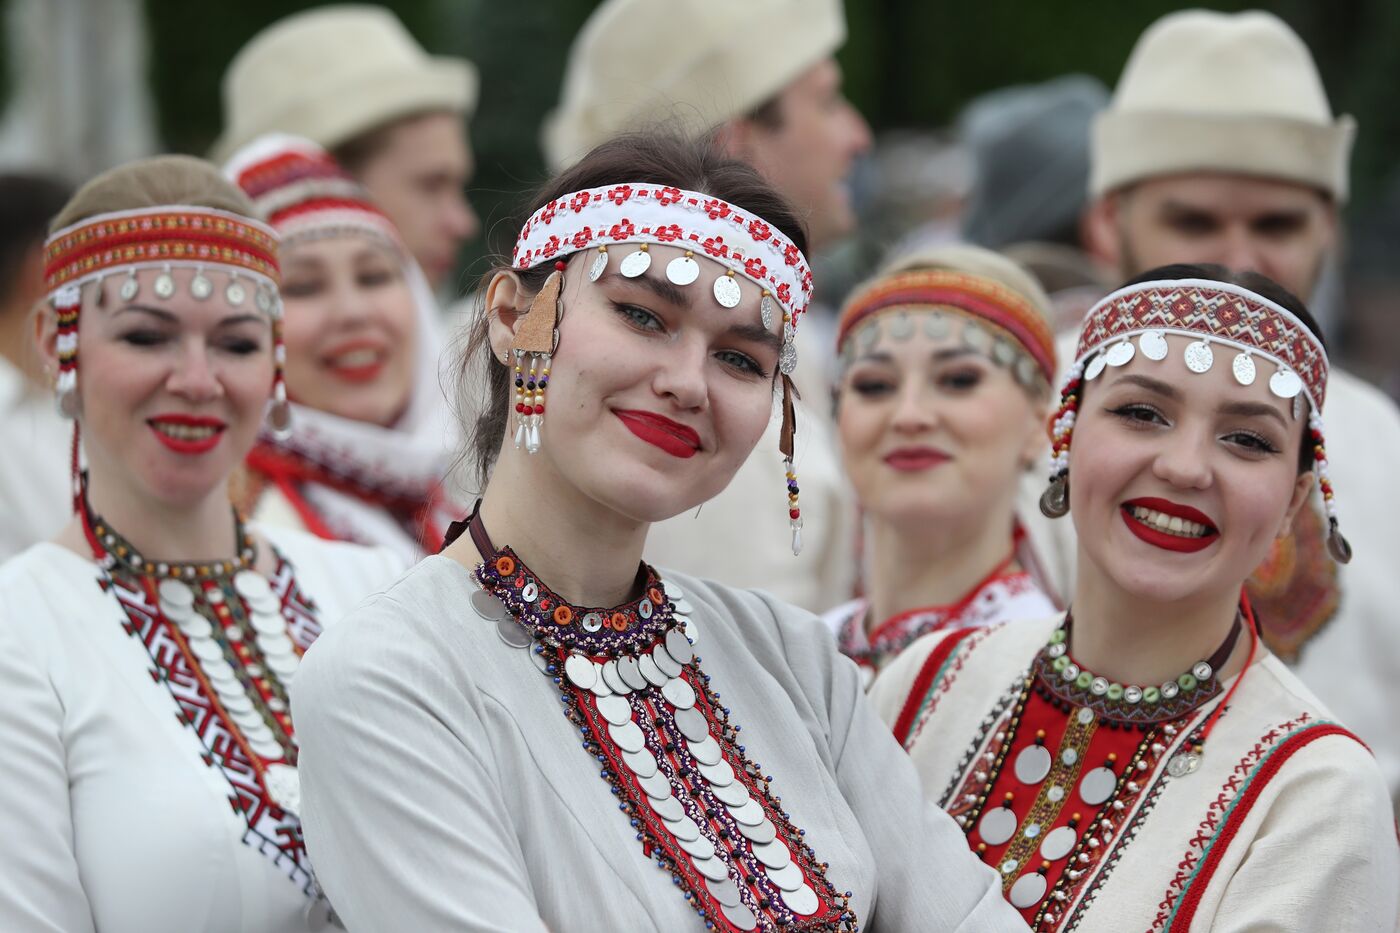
{"x": 698, "y": 223}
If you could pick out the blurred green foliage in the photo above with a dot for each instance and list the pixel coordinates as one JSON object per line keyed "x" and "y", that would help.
{"x": 909, "y": 63}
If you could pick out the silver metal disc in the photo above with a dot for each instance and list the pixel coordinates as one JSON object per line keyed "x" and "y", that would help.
{"x": 513, "y": 633}
{"x": 650, "y": 672}
{"x": 599, "y": 266}
{"x": 740, "y": 917}
{"x": 750, "y": 814}
{"x": 642, "y": 763}
{"x": 997, "y": 825}
{"x": 683, "y": 606}
{"x": 1183, "y": 764}
{"x": 1120, "y": 354}
{"x": 732, "y": 794}
{"x": 787, "y": 358}
{"x": 631, "y": 676}
{"x": 667, "y": 664}
{"x": 1058, "y": 843}
{"x": 194, "y": 625}
{"x": 682, "y": 270}
{"x": 1153, "y": 344}
{"x": 802, "y": 901}
{"x": 1032, "y": 764}
{"x": 582, "y": 672}
{"x": 1094, "y": 367}
{"x": 251, "y": 585}
{"x": 1285, "y": 383}
{"x": 727, "y": 291}
{"x": 726, "y": 892}
{"x": 672, "y": 589}
{"x": 787, "y": 878}
{"x": 700, "y": 846}
{"x": 763, "y": 831}
{"x": 200, "y": 287}
{"x": 767, "y": 311}
{"x": 655, "y": 785}
{"x": 1028, "y": 890}
{"x": 165, "y": 285}
{"x": 692, "y": 724}
{"x": 1098, "y": 785}
{"x": 679, "y": 694}
{"x": 614, "y": 680}
{"x": 283, "y": 786}
{"x": 712, "y": 868}
{"x": 635, "y": 264}
{"x": 206, "y": 649}
{"x": 488, "y": 606}
{"x": 129, "y": 288}
{"x": 615, "y": 710}
{"x": 235, "y": 700}
{"x": 235, "y": 294}
{"x": 706, "y": 751}
{"x": 628, "y": 736}
{"x": 720, "y": 774}
{"x": 1199, "y": 356}
{"x": 773, "y": 854}
{"x": 679, "y": 647}
{"x": 669, "y": 808}
{"x": 685, "y": 829}
{"x": 1244, "y": 369}
{"x": 600, "y": 687}
{"x": 175, "y": 593}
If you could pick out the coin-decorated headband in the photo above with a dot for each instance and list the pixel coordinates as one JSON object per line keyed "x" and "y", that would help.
{"x": 1224, "y": 319}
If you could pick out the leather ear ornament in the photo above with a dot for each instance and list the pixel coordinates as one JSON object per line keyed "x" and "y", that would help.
{"x": 536, "y": 332}
{"x": 535, "y": 338}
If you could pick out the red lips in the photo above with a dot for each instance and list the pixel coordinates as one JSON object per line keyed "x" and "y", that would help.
{"x": 179, "y": 423}
{"x": 373, "y": 351}
{"x": 1165, "y": 540}
{"x": 676, "y": 439}
{"x": 913, "y": 459}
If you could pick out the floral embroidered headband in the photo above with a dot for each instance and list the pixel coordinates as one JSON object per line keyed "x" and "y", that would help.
{"x": 1012, "y": 331}
{"x": 1227, "y": 321}
{"x": 165, "y": 238}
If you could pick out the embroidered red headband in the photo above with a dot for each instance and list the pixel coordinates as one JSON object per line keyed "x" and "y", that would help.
{"x": 1224, "y": 318}
{"x": 168, "y": 237}
{"x": 303, "y": 192}
{"x": 983, "y": 300}
{"x": 698, "y": 223}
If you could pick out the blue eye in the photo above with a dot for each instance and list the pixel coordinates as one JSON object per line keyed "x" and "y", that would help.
{"x": 741, "y": 361}
{"x": 1139, "y": 413}
{"x": 639, "y": 317}
{"x": 1254, "y": 443}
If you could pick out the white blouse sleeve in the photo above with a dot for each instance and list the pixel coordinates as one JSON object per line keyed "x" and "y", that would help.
{"x": 40, "y": 891}
{"x": 402, "y": 814}
{"x": 927, "y": 877}
{"x": 1315, "y": 866}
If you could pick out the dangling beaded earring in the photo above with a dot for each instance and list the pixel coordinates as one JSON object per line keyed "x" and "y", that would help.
{"x": 785, "y": 446}
{"x": 537, "y": 337}
{"x": 66, "y": 304}
{"x": 279, "y": 413}
{"x": 1054, "y": 502}
{"x": 1337, "y": 544}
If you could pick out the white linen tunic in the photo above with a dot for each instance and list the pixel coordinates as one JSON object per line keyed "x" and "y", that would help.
{"x": 110, "y": 819}
{"x": 444, "y": 789}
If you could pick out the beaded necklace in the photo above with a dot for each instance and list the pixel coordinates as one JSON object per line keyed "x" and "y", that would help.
{"x": 227, "y": 646}
{"x": 632, "y": 684}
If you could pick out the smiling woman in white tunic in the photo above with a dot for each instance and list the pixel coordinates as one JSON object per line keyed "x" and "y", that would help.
{"x": 536, "y": 730}
{"x": 147, "y": 756}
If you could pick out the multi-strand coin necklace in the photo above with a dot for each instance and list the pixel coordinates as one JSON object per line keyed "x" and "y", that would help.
{"x": 632, "y": 684}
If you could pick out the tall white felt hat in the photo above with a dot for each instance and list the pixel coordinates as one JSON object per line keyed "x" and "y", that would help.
{"x": 685, "y": 65}
{"x": 332, "y": 73}
{"x": 1206, "y": 91}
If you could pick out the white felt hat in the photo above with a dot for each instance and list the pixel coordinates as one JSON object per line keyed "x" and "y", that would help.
{"x": 687, "y": 65}
{"x": 332, "y": 73}
{"x": 1206, "y": 91}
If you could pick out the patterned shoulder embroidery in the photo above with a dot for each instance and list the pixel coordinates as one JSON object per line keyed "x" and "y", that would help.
{"x": 938, "y": 673}
{"x": 1227, "y": 812}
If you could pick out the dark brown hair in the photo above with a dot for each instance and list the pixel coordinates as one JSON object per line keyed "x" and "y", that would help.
{"x": 648, "y": 159}
{"x": 1261, "y": 285}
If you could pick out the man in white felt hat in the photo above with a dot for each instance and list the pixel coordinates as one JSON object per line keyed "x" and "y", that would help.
{"x": 1219, "y": 146}
{"x": 760, "y": 78}
{"x": 352, "y": 79}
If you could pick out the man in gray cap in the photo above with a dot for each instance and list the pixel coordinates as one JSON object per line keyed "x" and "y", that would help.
{"x": 352, "y": 79}
{"x": 1220, "y": 146}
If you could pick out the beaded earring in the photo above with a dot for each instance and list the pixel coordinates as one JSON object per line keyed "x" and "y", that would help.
{"x": 1054, "y": 502}
{"x": 1337, "y": 544}
{"x": 536, "y": 338}
{"x": 785, "y": 446}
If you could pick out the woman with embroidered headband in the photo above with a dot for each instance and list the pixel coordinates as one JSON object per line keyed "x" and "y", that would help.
{"x": 1143, "y": 760}
{"x": 521, "y": 733}
{"x": 946, "y": 361}
{"x": 147, "y": 754}
{"x": 372, "y": 437}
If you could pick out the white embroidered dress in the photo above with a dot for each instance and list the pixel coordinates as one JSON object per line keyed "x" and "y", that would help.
{"x": 127, "y": 807}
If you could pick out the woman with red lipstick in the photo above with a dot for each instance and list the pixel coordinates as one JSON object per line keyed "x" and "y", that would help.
{"x": 636, "y": 340}
{"x": 372, "y": 436}
{"x": 147, "y": 756}
{"x": 1143, "y": 761}
{"x": 946, "y": 361}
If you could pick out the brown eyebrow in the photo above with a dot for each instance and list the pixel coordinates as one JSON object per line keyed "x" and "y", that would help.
{"x": 171, "y": 318}
{"x": 666, "y": 291}
{"x": 758, "y": 334}
{"x": 1157, "y": 386}
{"x": 1252, "y": 409}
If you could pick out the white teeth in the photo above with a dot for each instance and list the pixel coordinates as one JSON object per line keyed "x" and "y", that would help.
{"x": 355, "y": 358}
{"x": 1171, "y": 524}
{"x": 185, "y": 432}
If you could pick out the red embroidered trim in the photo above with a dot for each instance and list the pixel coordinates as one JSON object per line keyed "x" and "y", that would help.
{"x": 1219, "y": 843}
{"x": 924, "y": 683}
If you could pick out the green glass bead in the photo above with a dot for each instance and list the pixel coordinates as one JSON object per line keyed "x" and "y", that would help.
{"x": 1060, "y": 663}
{"x": 1115, "y": 691}
{"x": 1084, "y": 680}
{"x": 1187, "y": 681}
{"x": 1151, "y": 695}
{"x": 1057, "y": 636}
